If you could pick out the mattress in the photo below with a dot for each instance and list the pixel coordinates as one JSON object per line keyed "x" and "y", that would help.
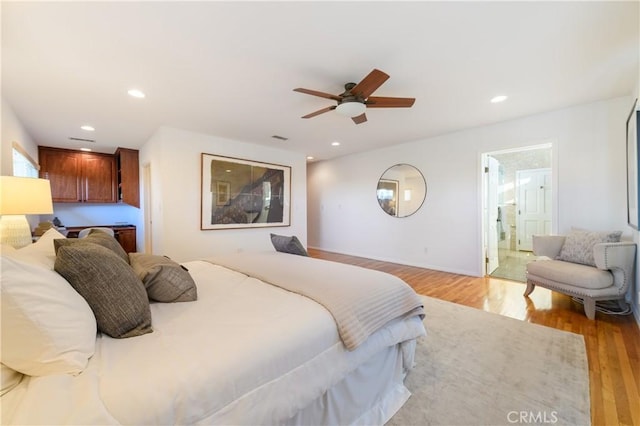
{"x": 245, "y": 352}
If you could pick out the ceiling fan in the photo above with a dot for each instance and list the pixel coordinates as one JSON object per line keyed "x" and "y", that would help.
{"x": 356, "y": 98}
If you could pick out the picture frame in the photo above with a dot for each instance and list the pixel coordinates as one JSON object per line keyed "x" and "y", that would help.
{"x": 633, "y": 212}
{"x": 240, "y": 193}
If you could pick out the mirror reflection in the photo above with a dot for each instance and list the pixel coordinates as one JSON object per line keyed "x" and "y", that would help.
{"x": 401, "y": 190}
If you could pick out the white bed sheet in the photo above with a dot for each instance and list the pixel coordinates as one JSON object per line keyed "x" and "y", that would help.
{"x": 245, "y": 353}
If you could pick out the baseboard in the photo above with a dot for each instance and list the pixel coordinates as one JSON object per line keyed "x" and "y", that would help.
{"x": 399, "y": 262}
{"x": 636, "y": 313}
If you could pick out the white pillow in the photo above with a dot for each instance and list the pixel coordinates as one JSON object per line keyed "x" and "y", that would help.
{"x": 42, "y": 252}
{"x": 9, "y": 379}
{"x": 47, "y": 327}
{"x": 6, "y": 248}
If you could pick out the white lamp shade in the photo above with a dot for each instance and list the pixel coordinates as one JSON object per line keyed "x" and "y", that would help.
{"x": 21, "y": 195}
{"x": 351, "y": 108}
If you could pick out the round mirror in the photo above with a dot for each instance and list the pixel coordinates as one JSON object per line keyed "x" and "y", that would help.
{"x": 401, "y": 190}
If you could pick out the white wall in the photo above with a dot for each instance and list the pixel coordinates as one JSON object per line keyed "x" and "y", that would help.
{"x": 635, "y": 94}
{"x": 174, "y": 156}
{"x": 13, "y": 131}
{"x": 445, "y": 234}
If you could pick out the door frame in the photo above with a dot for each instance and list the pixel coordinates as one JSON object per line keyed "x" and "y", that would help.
{"x": 148, "y": 208}
{"x": 482, "y": 183}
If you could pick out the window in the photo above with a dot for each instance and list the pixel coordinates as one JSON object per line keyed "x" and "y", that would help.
{"x": 23, "y": 164}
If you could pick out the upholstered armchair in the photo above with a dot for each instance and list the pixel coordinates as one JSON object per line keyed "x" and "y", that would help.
{"x": 592, "y": 271}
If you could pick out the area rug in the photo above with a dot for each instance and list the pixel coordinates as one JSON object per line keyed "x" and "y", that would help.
{"x": 478, "y": 368}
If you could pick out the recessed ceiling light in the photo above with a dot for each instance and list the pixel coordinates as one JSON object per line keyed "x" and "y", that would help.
{"x": 310, "y": 157}
{"x": 87, "y": 128}
{"x": 85, "y": 149}
{"x": 498, "y": 98}
{"x": 136, "y": 93}
{"x": 336, "y": 143}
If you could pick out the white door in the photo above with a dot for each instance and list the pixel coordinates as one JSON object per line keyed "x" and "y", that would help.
{"x": 491, "y": 214}
{"x": 533, "y": 206}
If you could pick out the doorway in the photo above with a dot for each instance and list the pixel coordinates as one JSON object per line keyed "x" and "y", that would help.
{"x": 518, "y": 200}
{"x": 147, "y": 207}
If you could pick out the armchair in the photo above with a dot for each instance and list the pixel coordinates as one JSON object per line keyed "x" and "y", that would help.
{"x": 608, "y": 279}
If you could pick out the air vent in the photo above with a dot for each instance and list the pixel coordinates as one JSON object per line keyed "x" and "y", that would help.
{"x": 282, "y": 138}
{"x": 82, "y": 140}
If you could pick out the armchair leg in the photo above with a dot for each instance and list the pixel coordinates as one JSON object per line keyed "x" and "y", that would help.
{"x": 530, "y": 287}
{"x": 589, "y": 307}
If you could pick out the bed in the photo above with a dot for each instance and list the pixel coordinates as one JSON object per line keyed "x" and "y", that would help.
{"x": 252, "y": 347}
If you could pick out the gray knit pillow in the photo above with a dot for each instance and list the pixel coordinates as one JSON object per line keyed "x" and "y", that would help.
{"x": 291, "y": 245}
{"x": 96, "y": 237}
{"x": 110, "y": 287}
{"x": 578, "y": 245}
{"x": 164, "y": 279}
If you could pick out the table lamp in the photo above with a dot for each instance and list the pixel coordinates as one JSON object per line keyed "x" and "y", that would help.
{"x": 20, "y": 196}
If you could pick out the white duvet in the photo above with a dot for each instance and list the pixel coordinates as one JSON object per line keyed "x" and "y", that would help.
{"x": 245, "y": 353}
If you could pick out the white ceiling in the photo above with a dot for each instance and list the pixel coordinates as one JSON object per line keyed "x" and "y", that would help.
{"x": 228, "y": 68}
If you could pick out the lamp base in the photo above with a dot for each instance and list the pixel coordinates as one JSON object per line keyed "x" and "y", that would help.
{"x": 15, "y": 230}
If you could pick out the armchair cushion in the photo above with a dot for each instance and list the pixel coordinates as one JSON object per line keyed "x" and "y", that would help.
{"x": 573, "y": 274}
{"x": 578, "y": 245}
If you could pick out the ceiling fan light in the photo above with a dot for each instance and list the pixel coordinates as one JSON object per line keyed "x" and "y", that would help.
{"x": 351, "y": 108}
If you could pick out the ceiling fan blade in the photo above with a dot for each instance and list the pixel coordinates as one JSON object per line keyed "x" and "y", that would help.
{"x": 316, "y": 93}
{"x": 386, "y": 102}
{"x": 369, "y": 84}
{"x": 320, "y": 111}
{"x": 359, "y": 118}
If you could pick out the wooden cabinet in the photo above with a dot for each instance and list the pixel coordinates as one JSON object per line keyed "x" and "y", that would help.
{"x": 125, "y": 234}
{"x": 128, "y": 176}
{"x": 88, "y": 177}
{"x": 126, "y": 237}
{"x": 78, "y": 177}
{"x": 98, "y": 178}
{"x": 63, "y": 168}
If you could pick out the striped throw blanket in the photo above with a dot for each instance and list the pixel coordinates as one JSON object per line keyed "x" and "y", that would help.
{"x": 361, "y": 300}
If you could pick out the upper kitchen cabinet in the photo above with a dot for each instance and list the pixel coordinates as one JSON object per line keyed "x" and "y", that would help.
{"x": 63, "y": 168}
{"x": 83, "y": 177}
{"x": 128, "y": 176}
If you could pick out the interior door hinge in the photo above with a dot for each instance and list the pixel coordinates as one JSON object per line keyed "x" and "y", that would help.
{"x": 486, "y": 169}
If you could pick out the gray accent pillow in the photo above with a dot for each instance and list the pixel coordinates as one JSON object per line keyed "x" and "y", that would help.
{"x": 291, "y": 245}
{"x": 164, "y": 279}
{"x": 96, "y": 237}
{"x": 578, "y": 245}
{"x": 113, "y": 291}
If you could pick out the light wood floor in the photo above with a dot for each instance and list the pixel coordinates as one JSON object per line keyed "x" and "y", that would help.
{"x": 612, "y": 342}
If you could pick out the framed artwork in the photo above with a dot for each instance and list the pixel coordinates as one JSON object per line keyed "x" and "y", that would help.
{"x": 387, "y": 194}
{"x": 632, "y": 167}
{"x": 239, "y": 193}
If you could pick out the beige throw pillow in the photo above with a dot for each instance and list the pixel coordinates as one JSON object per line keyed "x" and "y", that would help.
{"x": 164, "y": 279}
